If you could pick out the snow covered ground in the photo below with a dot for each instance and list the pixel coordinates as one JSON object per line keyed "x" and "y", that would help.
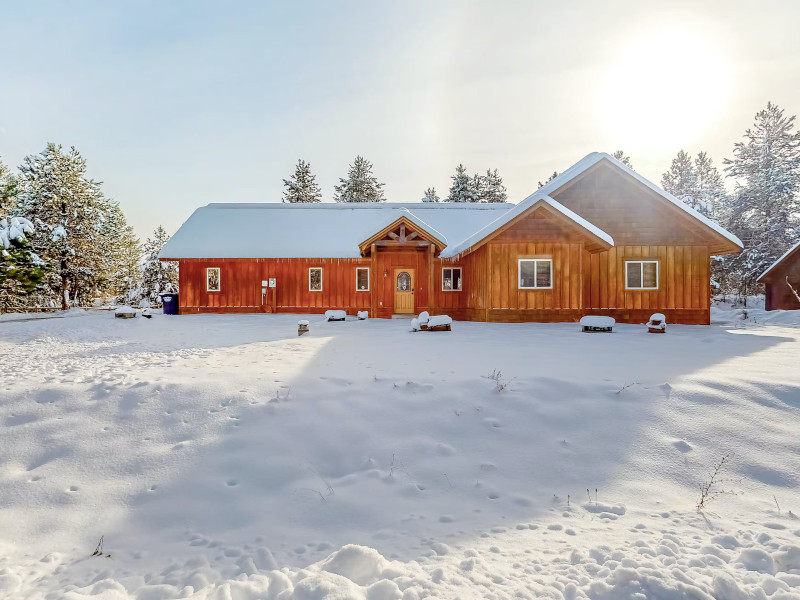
{"x": 224, "y": 457}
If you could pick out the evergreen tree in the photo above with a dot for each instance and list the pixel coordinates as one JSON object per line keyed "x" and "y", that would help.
{"x": 763, "y": 210}
{"x": 549, "y": 179}
{"x": 711, "y": 196}
{"x": 493, "y": 188}
{"x": 696, "y": 182}
{"x": 67, "y": 210}
{"x": 122, "y": 252}
{"x": 302, "y": 187}
{"x": 625, "y": 160}
{"x": 681, "y": 179}
{"x": 158, "y": 277}
{"x": 430, "y": 195}
{"x": 360, "y": 185}
{"x": 21, "y": 269}
{"x": 463, "y": 188}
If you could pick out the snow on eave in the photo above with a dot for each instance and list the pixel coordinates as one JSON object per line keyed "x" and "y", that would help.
{"x": 779, "y": 261}
{"x": 520, "y": 208}
{"x": 595, "y": 157}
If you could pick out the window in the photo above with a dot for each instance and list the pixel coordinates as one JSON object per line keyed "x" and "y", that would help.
{"x": 535, "y": 273}
{"x": 362, "y": 279}
{"x": 212, "y": 279}
{"x": 451, "y": 279}
{"x": 315, "y": 279}
{"x": 641, "y": 274}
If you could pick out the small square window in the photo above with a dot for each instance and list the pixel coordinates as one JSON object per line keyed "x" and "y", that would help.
{"x": 451, "y": 279}
{"x": 212, "y": 279}
{"x": 315, "y": 279}
{"x": 641, "y": 274}
{"x": 362, "y": 279}
{"x": 535, "y": 273}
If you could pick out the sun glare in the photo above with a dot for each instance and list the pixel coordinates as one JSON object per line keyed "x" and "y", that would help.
{"x": 666, "y": 90}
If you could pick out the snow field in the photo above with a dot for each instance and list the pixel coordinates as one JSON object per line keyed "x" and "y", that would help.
{"x": 221, "y": 456}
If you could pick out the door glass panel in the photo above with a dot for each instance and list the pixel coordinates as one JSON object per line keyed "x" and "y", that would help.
{"x": 403, "y": 282}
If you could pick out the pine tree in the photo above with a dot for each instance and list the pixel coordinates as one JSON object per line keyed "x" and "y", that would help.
{"x": 463, "y": 188}
{"x": 711, "y": 196}
{"x": 763, "y": 210}
{"x": 493, "y": 188}
{"x": 549, "y": 179}
{"x": 361, "y": 185}
{"x": 430, "y": 195}
{"x": 158, "y": 277}
{"x": 122, "y": 252}
{"x": 696, "y": 182}
{"x": 67, "y": 210}
{"x": 302, "y": 186}
{"x": 625, "y": 160}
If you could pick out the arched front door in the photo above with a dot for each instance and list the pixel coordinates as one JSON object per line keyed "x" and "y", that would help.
{"x": 404, "y": 291}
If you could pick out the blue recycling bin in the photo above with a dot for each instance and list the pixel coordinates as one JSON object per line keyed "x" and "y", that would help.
{"x": 170, "y": 302}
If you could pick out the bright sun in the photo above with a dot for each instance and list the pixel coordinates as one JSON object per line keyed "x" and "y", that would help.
{"x": 665, "y": 91}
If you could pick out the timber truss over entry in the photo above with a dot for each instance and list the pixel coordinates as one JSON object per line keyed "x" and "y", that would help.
{"x": 407, "y": 231}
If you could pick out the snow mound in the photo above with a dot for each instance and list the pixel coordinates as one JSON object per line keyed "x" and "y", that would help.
{"x": 439, "y": 320}
{"x": 359, "y": 564}
{"x": 125, "y": 310}
{"x": 331, "y": 315}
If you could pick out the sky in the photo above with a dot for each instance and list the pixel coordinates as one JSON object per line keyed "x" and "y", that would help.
{"x": 178, "y": 104}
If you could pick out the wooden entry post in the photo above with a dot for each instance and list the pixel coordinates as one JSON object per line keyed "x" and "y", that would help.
{"x": 375, "y": 283}
{"x": 431, "y": 277}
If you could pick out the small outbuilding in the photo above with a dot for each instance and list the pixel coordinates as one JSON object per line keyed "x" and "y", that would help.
{"x": 782, "y": 281}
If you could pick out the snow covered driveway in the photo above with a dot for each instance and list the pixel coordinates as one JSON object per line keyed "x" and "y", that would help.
{"x": 221, "y": 456}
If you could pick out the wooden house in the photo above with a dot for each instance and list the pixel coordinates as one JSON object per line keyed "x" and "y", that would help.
{"x": 782, "y": 281}
{"x": 598, "y": 239}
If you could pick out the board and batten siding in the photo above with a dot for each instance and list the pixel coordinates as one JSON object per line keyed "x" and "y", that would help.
{"x": 240, "y": 285}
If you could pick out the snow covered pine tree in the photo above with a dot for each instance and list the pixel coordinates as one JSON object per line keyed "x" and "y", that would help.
{"x": 360, "y": 185}
{"x": 764, "y": 210}
{"x": 430, "y": 195}
{"x": 302, "y": 185}
{"x": 68, "y": 212}
{"x": 158, "y": 277}
{"x": 463, "y": 188}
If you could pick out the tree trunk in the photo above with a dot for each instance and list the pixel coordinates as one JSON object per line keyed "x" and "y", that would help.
{"x": 64, "y": 285}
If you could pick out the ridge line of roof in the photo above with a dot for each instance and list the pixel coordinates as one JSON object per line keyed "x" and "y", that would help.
{"x": 361, "y": 205}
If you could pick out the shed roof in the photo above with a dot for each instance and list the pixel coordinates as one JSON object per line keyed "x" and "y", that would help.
{"x": 774, "y": 266}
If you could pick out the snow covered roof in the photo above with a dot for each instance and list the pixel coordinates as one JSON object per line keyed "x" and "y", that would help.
{"x": 332, "y": 230}
{"x": 592, "y": 159}
{"x": 321, "y": 230}
{"x": 529, "y": 202}
{"x": 786, "y": 254}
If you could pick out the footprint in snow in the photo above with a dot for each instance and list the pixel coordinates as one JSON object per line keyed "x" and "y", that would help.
{"x": 682, "y": 446}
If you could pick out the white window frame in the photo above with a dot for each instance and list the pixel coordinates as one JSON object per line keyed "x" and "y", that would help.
{"x": 641, "y": 273}
{"x": 320, "y": 279}
{"x": 534, "y": 260}
{"x": 460, "y": 279}
{"x": 358, "y": 289}
{"x": 219, "y": 279}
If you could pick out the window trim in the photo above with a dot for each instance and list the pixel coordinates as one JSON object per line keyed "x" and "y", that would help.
{"x": 320, "y": 279}
{"x": 533, "y": 260}
{"x": 358, "y": 289}
{"x": 219, "y": 279}
{"x": 460, "y": 279}
{"x": 641, "y": 263}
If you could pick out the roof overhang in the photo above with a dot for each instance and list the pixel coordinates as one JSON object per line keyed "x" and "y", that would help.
{"x": 768, "y": 275}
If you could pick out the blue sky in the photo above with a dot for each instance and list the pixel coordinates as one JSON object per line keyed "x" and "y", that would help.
{"x": 175, "y": 105}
